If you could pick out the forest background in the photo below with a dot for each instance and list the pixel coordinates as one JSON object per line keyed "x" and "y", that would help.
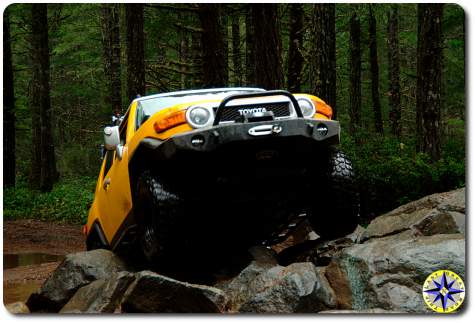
{"x": 394, "y": 74}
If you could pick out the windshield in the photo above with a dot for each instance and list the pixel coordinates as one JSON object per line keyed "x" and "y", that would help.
{"x": 149, "y": 106}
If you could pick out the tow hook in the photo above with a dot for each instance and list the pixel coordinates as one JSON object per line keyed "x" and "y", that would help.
{"x": 265, "y": 130}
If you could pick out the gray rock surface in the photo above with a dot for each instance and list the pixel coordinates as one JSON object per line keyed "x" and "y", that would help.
{"x": 298, "y": 288}
{"x": 100, "y": 296}
{"x": 75, "y": 271}
{"x": 237, "y": 289}
{"x": 433, "y": 214}
{"x": 154, "y": 293}
{"x": 388, "y": 272}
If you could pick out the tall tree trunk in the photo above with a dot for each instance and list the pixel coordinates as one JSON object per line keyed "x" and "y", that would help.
{"x": 43, "y": 162}
{"x": 374, "y": 66}
{"x": 267, "y": 46}
{"x": 111, "y": 52}
{"x": 214, "y": 63}
{"x": 393, "y": 63}
{"x": 355, "y": 74}
{"x": 429, "y": 76}
{"x": 135, "y": 50}
{"x": 236, "y": 35}
{"x": 323, "y": 58}
{"x": 182, "y": 52}
{"x": 295, "y": 58}
{"x": 224, "y": 27}
{"x": 8, "y": 107}
{"x": 196, "y": 55}
{"x": 250, "y": 55}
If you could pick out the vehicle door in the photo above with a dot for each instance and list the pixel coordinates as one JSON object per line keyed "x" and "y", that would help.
{"x": 116, "y": 186}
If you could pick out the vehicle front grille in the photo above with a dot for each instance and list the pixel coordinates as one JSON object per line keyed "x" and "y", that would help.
{"x": 231, "y": 113}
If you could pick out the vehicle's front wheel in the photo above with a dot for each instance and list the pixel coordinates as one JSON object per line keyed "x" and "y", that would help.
{"x": 158, "y": 213}
{"x": 337, "y": 211}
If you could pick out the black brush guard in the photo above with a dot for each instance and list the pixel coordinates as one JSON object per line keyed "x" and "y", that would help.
{"x": 230, "y": 98}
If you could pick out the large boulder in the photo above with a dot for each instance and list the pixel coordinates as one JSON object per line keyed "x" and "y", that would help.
{"x": 154, "y": 293}
{"x": 100, "y": 296}
{"x": 75, "y": 271}
{"x": 434, "y": 214}
{"x": 297, "y": 288}
{"x": 237, "y": 289}
{"x": 388, "y": 273}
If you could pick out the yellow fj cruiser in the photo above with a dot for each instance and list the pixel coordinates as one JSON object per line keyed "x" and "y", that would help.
{"x": 193, "y": 170}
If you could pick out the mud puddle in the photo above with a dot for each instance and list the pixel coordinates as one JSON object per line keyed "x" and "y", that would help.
{"x": 24, "y": 273}
{"x": 27, "y": 259}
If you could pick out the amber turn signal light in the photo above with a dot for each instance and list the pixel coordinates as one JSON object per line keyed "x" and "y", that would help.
{"x": 170, "y": 120}
{"x": 323, "y": 108}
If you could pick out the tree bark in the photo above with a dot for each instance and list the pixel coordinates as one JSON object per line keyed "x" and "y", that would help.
{"x": 323, "y": 54}
{"x": 44, "y": 172}
{"x": 355, "y": 74}
{"x": 374, "y": 66}
{"x": 236, "y": 36}
{"x": 393, "y": 73}
{"x": 429, "y": 77}
{"x": 135, "y": 50}
{"x": 250, "y": 55}
{"x": 223, "y": 21}
{"x": 196, "y": 55}
{"x": 267, "y": 46}
{"x": 182, "y": 52}
{"x": 295, "y": 58}
{"x": 214, "y": 63}
{"x": 111, "y": 50}
{"x": 8, "y": 107}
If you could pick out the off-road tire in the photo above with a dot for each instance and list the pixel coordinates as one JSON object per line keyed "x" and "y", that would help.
{"x": 337, "y": 211}
{"x": 158, "y": 213}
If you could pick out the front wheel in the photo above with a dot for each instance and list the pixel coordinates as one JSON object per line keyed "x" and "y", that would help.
{"x": 158, "y": 214}
{"x": 337, "y": 212}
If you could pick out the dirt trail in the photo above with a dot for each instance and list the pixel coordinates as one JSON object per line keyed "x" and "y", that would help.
{"x": 23, "y": 236}
{"x": 35, "y": 237}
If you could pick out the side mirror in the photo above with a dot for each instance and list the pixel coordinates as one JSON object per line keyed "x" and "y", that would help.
{"x": 111, "y": 137}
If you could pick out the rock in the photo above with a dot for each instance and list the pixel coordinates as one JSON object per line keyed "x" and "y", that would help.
{"x": 367, "y": 311}
{"x": 263, "y": 255}
{"x": 338, "y": 281}
{"x": 355, "y": 235}
{"x": 17, "y": 308}
{"x": 154, "y": 293}
{"x": 433, "y": 214}
{"x": 237, "y": 289}
{"x": 75, "y": 271}
{"x": 100, "y": 296}
{"x": 319, "y": 252}
{"x": 388, "y": 272}
{"x": 438, "y": 222}
{"x": 301, "y": 233}
{"x": 298, "y": 288}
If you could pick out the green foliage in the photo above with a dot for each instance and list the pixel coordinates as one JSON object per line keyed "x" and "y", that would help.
{"x": 391, "y": 173}
{"x": 69, "y": 201}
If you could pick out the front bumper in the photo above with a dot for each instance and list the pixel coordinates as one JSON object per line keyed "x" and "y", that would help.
{"x": 299, "y": 130}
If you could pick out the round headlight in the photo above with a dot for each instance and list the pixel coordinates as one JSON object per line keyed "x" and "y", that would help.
{"x": 199, "y": 117}
{"x": 307, "y": 107}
